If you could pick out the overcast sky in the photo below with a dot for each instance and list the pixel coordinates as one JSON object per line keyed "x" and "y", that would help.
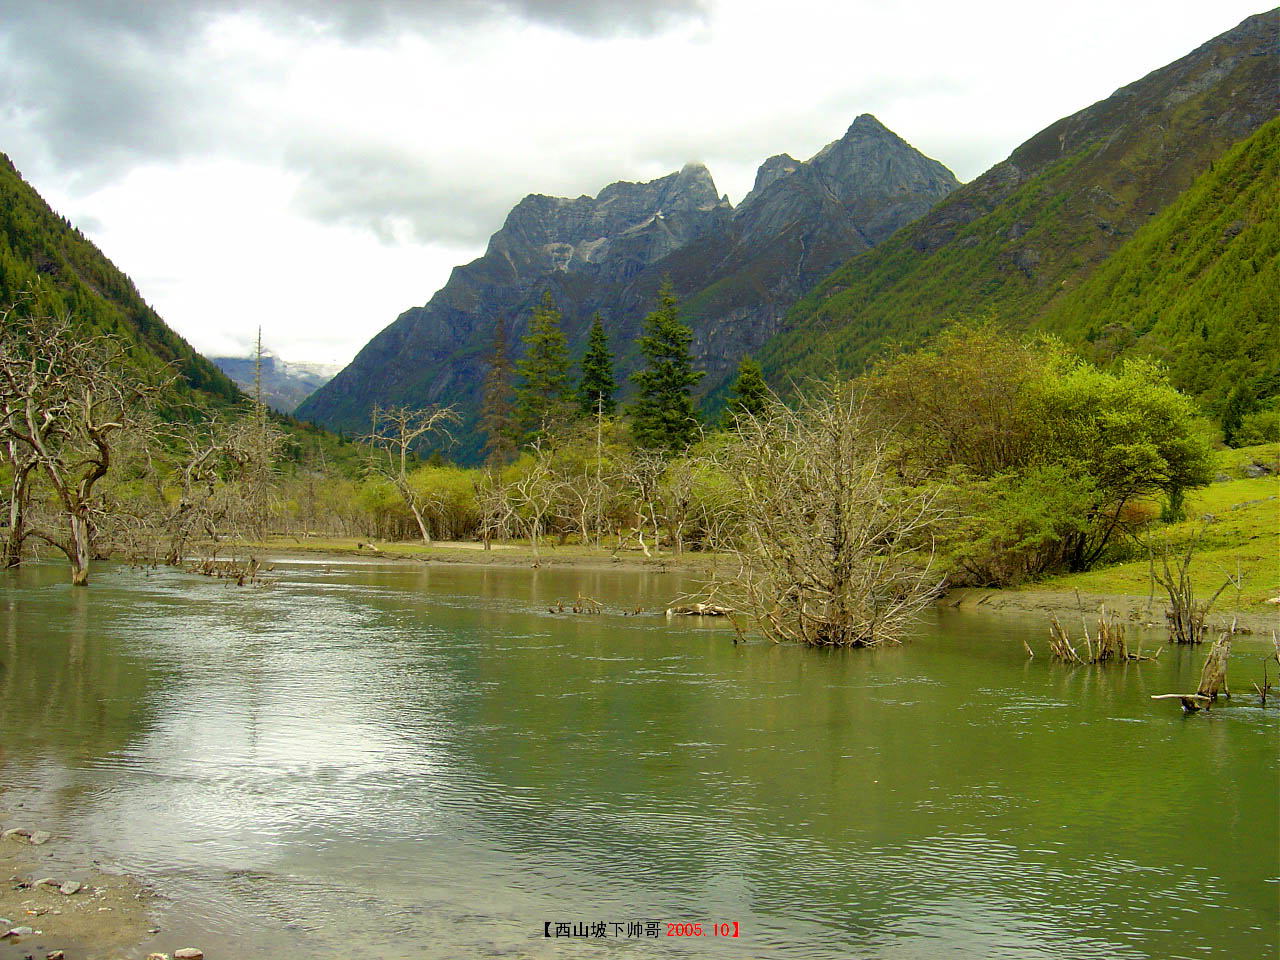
{"x": 316, "y": 166}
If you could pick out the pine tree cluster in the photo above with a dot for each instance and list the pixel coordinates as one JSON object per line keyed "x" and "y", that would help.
{"x": 532, "y": 398}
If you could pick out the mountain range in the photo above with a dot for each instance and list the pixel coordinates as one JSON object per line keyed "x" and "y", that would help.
{"x": 284, "y": 383}
{"x": 827, "y": 263}
{"x": 736, "y": 270}
{"x": 1035, "y": 227}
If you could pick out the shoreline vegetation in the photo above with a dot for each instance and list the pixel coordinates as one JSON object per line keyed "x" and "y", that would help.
{"x": 826, "y": 517}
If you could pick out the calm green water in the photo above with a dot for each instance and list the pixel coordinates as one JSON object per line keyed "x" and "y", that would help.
{"x": 385, "y": 761}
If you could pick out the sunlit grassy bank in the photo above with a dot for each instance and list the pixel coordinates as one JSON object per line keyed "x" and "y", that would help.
{"x": 1237, "y": 520}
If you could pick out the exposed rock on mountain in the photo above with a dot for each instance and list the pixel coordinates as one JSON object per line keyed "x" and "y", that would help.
{"x": 736, "y": 271}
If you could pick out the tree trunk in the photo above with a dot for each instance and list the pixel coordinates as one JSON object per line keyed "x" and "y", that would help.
{"x": 17, "y": 515}
{"x": 79, "y": 552}
{"x": 422, "y": 526}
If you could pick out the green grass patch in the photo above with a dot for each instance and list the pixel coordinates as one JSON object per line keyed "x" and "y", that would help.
{"x": 1238, "y": 523}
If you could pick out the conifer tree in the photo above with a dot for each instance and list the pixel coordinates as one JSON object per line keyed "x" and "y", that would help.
{"x": 663, "y": 413}
{"x": 497, "y": 408}
{"x": 543, "y": 397}
{"x": 749, "y": 394}
{"x": 597, "y": 386}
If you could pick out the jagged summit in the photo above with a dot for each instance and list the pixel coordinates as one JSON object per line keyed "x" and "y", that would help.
{"x": 879, "y": 180}
{"x": 625, "y": 223}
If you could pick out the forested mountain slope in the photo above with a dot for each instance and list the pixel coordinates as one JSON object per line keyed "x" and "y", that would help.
{"x": 1198, "y": 286}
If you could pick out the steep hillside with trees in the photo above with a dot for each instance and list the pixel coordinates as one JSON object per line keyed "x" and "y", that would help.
{"x": 1028, "y": 231}
{"x": 43, "y": 257}
{"x": 1198, "y": 287}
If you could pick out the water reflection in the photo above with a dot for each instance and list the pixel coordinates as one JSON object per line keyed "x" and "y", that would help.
{"x": 430, "y": 755}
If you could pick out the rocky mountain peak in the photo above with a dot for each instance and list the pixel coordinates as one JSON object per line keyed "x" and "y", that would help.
{"x": 879, "y": 180}
{"x": 611, "y": 252}
{"x": 870, "y": 158}
{"x": 625, "y": 226}
{"x": 771, "y": 171}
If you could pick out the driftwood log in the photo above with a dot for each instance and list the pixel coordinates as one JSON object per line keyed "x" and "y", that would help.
{"x": 698, "y": 610}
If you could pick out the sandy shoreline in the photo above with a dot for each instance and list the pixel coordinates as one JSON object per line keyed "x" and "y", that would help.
{"x": 1069, "y": 604}
{"x": 108, "y": 916}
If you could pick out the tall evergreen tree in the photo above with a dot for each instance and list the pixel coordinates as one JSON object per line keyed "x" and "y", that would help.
{"x": 497, "y": 399}
{"x": 749, "y": 394}
{"x": 663, "y": 413}
{"x": 597, "y": 386}
{"x": 543, "y": 397}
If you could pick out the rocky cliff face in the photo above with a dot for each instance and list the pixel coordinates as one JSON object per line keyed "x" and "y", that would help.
{"x": 736, "y": 271}
{"x": 800, "y": 221}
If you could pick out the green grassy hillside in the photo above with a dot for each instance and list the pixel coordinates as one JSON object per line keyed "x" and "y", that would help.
{"x": 1198, "y": 286}
{"x": 1236, "y": 525}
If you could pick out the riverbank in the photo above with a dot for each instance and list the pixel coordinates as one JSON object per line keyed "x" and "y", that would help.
{"x": 82, "y": 912}
{"x": 1070, "y": 606}
{"x": 570, "y": 556}
{"x": 1122, "y": 589}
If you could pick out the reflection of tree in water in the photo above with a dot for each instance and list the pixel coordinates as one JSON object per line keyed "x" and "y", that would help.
{"x": 65, "y": 689}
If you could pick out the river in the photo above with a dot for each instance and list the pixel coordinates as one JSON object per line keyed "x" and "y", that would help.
{"x": 390, "y": 760}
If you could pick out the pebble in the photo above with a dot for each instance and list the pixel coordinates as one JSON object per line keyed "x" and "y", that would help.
{"x": 157, "y": 956}
{"x": 55, "y": 955}
{"x": 19, "y": 932}
{"x": 70, "y": 887}
{"x": 40, "y": 836}
{"x": 188, "y": 953}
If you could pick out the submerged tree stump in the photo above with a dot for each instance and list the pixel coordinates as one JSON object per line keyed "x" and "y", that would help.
{"x": 1213, "y": 677}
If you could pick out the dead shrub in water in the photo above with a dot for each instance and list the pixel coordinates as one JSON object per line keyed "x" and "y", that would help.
{"x": 1110, "y": 643}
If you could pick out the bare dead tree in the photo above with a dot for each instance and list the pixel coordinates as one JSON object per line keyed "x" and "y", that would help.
{"x": 64, "y": 396}
{"x": 641, "y": 473}
{"x": 676, "y": 490}
{"x": 535, "y": 495}
{"x": 1186, "y": 616}
{"x": 222, "y": 485}
{"x": 832, "y": 550}
{"x": 398, "y": 432}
